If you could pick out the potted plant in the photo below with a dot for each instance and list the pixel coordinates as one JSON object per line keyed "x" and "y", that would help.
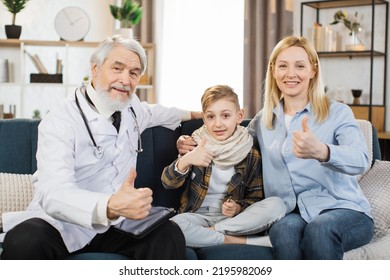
{"x": 14, "y": 6}
{"x": 36, "y": 114}
{"x": 128, "y": 14}
{"x": 352, "y": 23}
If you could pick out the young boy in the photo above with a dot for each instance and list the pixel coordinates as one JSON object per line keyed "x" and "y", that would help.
{"x": 223, "y": 200}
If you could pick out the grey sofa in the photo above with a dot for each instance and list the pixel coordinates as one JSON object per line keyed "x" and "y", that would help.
{"x": 18, "y": 142}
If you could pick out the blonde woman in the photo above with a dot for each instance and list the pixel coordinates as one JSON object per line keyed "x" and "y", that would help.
{"x": 311, "y": 149}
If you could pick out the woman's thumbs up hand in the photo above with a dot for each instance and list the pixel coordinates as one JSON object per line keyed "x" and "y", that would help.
{"x": 306, "y": 145}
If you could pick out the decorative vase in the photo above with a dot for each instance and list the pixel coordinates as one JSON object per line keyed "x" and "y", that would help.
{"x": 13, "y": 31}
{"x": 354, "y": 43}
{"x": 125, "y": 32}
{"x": 356, "y": 93}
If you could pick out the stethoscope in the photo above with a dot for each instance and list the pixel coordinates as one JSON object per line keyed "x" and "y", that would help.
{"x": 98, "y": 152}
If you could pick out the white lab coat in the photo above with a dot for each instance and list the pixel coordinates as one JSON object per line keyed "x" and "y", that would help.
{"x": 70, "y": 179}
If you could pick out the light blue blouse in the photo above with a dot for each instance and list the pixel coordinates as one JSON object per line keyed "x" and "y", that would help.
{"x": 315, "y": 186}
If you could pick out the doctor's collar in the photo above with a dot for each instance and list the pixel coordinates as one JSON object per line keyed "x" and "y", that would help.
{"x": 100, "y": 106}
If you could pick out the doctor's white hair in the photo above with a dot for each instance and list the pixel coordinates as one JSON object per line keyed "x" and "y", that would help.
{"x": 105, "y": 47}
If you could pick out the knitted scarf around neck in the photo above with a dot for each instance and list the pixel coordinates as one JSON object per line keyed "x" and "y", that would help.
{"x": 229, "y": 152}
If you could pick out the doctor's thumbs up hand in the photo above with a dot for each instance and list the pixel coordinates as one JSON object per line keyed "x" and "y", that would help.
{"x": 199, "y": 156}
{"x": 306, "y": 145}
{"x": 130, "y": 202}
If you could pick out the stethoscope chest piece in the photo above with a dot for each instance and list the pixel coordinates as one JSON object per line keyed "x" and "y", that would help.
{"x": 98, "y": 152}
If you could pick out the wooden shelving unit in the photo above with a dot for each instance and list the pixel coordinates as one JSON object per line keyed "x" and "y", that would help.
{"x": 373, "y": 112}
{"x": 75, "y": 55}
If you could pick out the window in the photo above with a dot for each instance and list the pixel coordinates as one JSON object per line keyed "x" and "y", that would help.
{"x": 199, "y": 44}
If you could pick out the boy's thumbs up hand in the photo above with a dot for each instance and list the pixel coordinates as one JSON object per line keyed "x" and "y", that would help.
{"x": 200, "y": 156}
{"x": 202, "y": 142}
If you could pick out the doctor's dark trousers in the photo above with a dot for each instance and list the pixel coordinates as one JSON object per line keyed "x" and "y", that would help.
{"x": 37, "y": 239}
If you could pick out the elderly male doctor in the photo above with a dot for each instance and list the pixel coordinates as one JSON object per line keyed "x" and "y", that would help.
{"x": 86, "y": 168}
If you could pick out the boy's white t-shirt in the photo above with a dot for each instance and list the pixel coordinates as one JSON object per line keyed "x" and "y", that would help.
{"x": 218, "y": 186}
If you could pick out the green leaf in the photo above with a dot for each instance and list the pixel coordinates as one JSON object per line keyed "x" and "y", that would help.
{"x": 129, "y": 14}
{"x": 14, "y": 7}
{"x": 114, "y": 11}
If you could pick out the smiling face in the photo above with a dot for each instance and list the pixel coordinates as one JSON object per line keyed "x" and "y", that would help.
{"x": 118, "y": 76}
{"x": 292, "y": 72}
{"x": 221, "y": 118}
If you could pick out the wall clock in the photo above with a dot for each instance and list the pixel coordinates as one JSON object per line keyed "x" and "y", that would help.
{"x": 72, "y": 24}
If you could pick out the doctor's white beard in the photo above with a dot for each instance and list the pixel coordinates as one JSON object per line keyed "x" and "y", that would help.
{"x": 114, "y": 103}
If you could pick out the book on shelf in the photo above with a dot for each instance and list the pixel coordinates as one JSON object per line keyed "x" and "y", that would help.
{"x": 38, "y": 63}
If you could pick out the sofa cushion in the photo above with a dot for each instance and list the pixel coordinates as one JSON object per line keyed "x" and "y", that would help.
{"x": 376, "y": 187}
{"x": 159, "y": 150}
{"x": 377, "y": 249}
{"x": 16, "y": 192}
{"x": 18, "y": 138}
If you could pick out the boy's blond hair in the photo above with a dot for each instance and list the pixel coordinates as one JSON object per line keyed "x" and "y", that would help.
{"x": 216, "y": 93}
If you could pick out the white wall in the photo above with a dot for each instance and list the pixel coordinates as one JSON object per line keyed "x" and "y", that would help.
{"x": 340, "y": 78}
{"x": 37, "y": 18}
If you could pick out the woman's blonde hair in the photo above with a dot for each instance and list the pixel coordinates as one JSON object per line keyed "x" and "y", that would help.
{"x": 320, "y": 102}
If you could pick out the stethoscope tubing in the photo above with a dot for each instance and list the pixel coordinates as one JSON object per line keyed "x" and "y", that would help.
{"x": 85, "y": 121}
{"x": 99, "y": 149}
